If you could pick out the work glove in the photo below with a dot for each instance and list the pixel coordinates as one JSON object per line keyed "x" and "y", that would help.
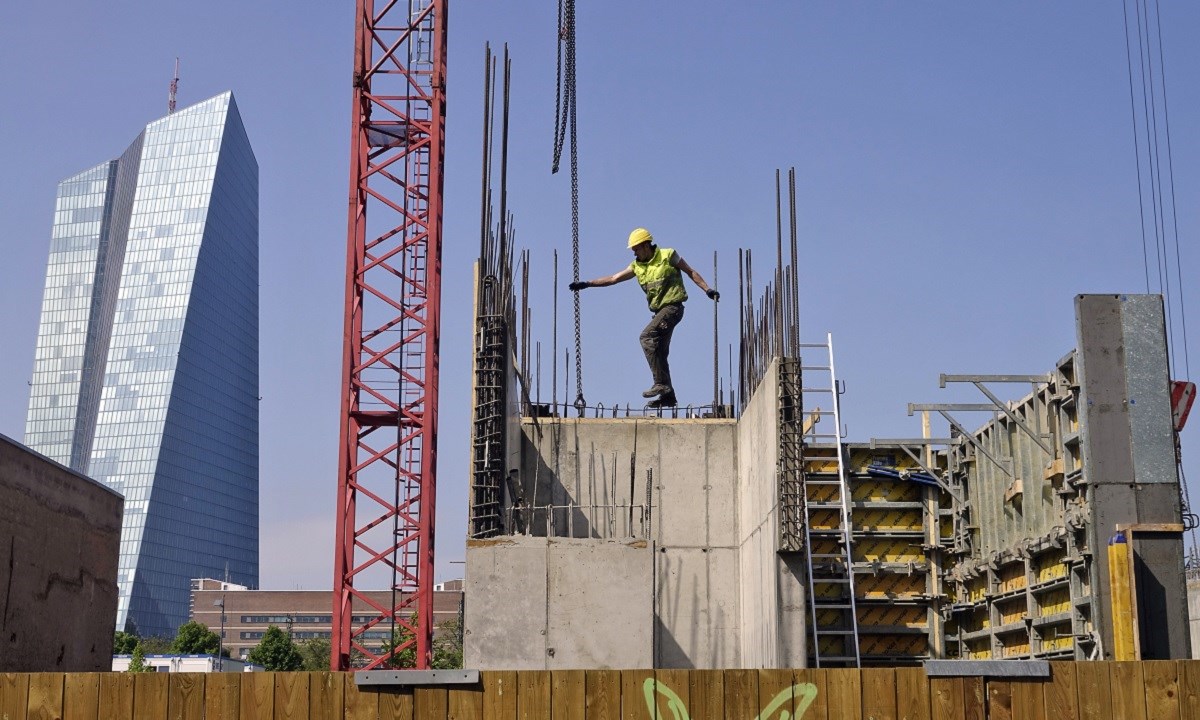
{"x": 579, "y": 285}
{"x": 714, "y": 296}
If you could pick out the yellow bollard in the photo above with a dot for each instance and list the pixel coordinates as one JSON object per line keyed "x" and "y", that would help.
{"x": 1120, "y": 598}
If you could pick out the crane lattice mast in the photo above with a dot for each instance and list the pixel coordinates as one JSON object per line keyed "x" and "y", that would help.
{"x": 389, "y": 404}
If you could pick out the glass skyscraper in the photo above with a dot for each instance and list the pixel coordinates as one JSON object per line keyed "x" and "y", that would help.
{"x": 146, "y": 369}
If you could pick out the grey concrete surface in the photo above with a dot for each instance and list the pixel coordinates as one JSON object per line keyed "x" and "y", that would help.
{"x": 59, "y": 537}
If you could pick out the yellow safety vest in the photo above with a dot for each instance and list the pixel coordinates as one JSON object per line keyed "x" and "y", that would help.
{"x": 660, "y": 279}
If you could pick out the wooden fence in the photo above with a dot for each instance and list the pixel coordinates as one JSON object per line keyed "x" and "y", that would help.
{"x": 1154, "y": 690}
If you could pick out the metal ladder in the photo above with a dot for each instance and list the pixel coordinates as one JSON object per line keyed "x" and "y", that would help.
{"x": 830, "y": 568}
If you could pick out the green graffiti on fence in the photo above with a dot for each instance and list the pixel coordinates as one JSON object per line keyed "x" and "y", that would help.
{"x": 803, "y": 693}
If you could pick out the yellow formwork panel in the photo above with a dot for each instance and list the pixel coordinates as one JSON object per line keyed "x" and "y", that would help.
{"x": 894, "y": 645}
{"x": 831, "y": 618}
{"x": 1057, "y": 637}
{"x": 821, "y": 493}
{"x": 834, "y": 645}
{"x": 1012, "y": 610}
{"x": 976, "y": 620}
{"x": 887, "y": 550}
{"x": 888, "y": 586}
{"x": 825, "y": 519}
{"x": 977, "y": 589}
{"x": 1051, "y": 566}
{"x": 892, "y": 616}
{"x": 1011, "y": 577}
{"x": 828, "y": 590}
{"x": 1015, "y": 649}
{"x": 1053, "y": 602}
{"x": 910, "y": 520}
{"x": 946, "y": 530}
{"x": 885, "y": 490}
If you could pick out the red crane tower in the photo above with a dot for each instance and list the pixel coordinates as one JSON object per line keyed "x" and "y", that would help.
{"x": 388, "y": 450}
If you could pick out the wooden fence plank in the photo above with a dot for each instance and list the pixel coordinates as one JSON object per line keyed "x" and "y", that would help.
{"x": 671, "y": 686}
{"x": 1060, "y": 701}
{"x": 222, "y": 696}
{"x": 396, "y": 703}
{"x": 707, "y": 694}
{"x": 257, "y": 700}
{"x": 1128, "y": 691}
{"x": 358, "y": 705}
{"x": 1092, "y": 690}
{"x": 741, "y": 694}
{"x": 999, "y": 700}
{"x": 185, "y": 696}
{"x": 879, "y": 693}
{"x": 844, "y": 689}
{"x": 946, "y": 699}
{"x": 466, "y": 703}
{"x": 1028, "y": 701}
{"x": 116, "y": 696}
{"x": 150, "y": 695}
{"x": 974, "y": 699}
{"x": 602, "y": 694}
{"x": 533, "y": 694}
{"x": 912, "y": 694}
{"x": 81, "y": 696}
{"x": 499, "y": 695}
{"x": 775, "y": 694}
{"x": 432, "y": 703}
{"x": 1189, "y": 689}
{"x": 46, "y": 696}
{"x": 14, "y": 695}
{"x": 633, "y": 696}
{"x": 326, "y": 696}
{"x": 810, "y": 699}
{"x": 291, "y": 695}
{"x": 1162, "y": 689}
{"x": 567, "y": 697}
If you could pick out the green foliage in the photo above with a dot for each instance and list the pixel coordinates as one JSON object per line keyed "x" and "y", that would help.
{"x": 195, "y": 639}
{"x": 276, "y": 651}
{"x": 154, "y": 645}
{"x": 137, "y": 664}
{"x": 124, "y": 643}
{"x": 447, "y": 647}
{"x": 315, "y": 653}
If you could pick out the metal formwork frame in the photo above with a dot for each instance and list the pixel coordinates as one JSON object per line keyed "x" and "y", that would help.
{"x": 388, "y": 449}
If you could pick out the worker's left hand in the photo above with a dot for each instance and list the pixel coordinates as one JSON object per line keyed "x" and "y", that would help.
{"x": 714, "y": 295}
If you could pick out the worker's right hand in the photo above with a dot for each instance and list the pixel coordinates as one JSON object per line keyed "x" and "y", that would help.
{"x": 579, "y": 285}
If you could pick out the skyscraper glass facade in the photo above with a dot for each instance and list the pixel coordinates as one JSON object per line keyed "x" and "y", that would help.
{"x": 146, "y": 370}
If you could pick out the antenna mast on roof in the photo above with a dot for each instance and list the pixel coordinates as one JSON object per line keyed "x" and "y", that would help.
{"x": 174, "y": 88}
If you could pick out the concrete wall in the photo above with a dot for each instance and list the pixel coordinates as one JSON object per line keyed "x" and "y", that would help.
{"x": 557, "y": 603}
{"x": 771, "y": 586}
{"x": 676, "y": 567}
{"x": 59, "y": 537}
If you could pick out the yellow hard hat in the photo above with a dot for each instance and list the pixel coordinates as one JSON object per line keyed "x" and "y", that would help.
{"x": 639, "y": 236}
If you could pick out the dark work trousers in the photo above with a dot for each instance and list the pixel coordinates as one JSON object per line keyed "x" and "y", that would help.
{"x": 656, "y": 342}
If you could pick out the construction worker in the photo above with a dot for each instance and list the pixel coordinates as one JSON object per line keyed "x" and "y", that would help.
{"x": 660, "y": 273}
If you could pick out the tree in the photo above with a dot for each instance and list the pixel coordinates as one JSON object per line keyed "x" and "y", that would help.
{"x": 276, "y": 651}
{"x": 447, "y": 647}
{"x": 195, "y": 639}
{"x": 155, "y": 645}
{"x": 315, "y": 653}
{"x": 124, "y": 643}
{"x": 137, "y": 664}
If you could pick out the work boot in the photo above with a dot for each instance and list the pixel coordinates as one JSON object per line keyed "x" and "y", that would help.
{"x": 665, "y": 400}
{"x": 656, "y": 390}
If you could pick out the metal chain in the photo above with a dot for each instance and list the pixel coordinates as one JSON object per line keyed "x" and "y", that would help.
{"x": 564, "y": 124}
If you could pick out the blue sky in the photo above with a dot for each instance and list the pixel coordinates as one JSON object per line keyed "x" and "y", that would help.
{"x": 964, "y": 170}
